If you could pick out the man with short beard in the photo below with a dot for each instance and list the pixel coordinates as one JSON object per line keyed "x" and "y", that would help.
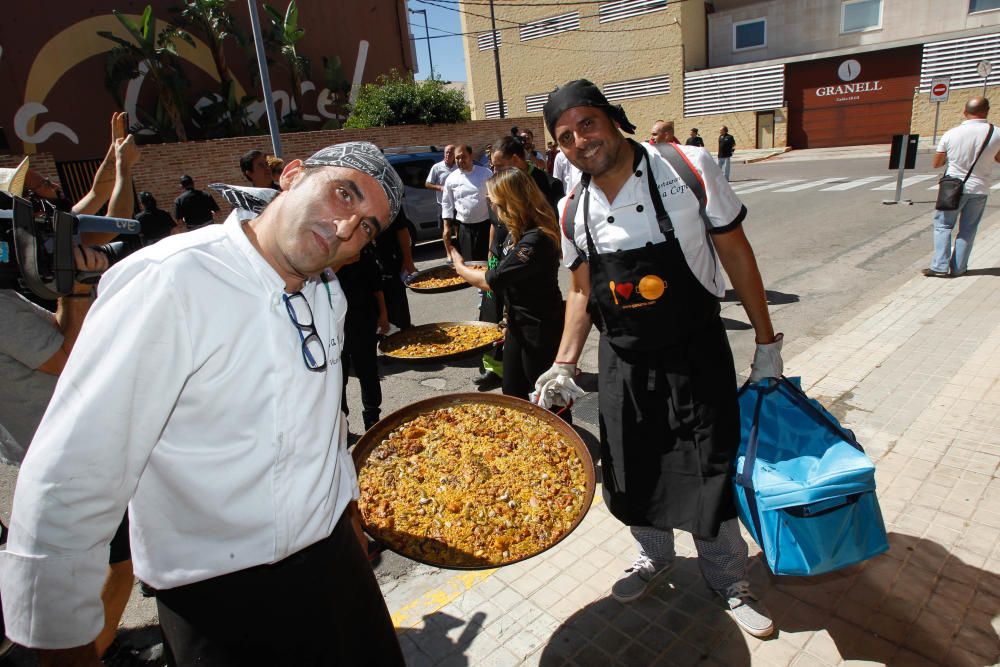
{"x": 644, "y": 266}
{"x": 204, "y": 393}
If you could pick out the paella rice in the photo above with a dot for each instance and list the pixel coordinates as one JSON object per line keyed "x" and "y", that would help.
{"x": 438, "y": 340}
{"x": 441, "y": 276}
{"x": 472, "y": 485}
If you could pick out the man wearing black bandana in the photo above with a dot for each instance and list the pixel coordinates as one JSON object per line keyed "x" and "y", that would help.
{"x": 645, "y": 253}
{"x": 204, "y": 393}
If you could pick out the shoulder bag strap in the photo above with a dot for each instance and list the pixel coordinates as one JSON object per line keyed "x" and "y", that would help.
{"x": 989, "y": 134}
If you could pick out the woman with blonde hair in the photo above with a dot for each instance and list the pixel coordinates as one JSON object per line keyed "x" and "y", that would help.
{"x": 526, "y": 277}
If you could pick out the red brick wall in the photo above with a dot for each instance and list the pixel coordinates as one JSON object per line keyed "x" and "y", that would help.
{"x": 161, "y": 166}
{"x": 43, "y": 163}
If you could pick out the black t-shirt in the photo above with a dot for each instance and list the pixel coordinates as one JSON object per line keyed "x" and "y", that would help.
{"x": 528, "y": 279}
{"x": 695, "y": 141}
{"x": 155, "y": 224}
{"x": 727, "y": 143}
{"x": 387, "y": 248}
{"x": 360, "y": 281}
{"x": 195, "y": 207}
{"x": 552, "y": 188}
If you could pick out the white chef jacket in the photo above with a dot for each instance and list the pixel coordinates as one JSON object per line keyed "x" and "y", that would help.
{"x": 464, "y": 197}
{"x": 962, "y": 144}
{"x": 630, "y": 221}
{"x": 186, "y": 394}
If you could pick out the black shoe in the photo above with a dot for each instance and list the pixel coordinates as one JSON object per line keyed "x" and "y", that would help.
{"x": 119, "y": 655}
{"x": 484, "y": 377}
{"x": 931, "y": 273}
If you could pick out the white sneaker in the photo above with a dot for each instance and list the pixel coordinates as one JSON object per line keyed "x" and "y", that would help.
{"x": 638, "y": 579}
{"x": 749, "y": 612}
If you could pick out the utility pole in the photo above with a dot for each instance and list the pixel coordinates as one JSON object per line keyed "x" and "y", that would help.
{"x": 496, "y": 59}
{"x": 265, "y": 80}
{"x": 427, "y": 36}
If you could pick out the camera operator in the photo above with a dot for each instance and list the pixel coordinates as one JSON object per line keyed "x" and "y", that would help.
{"x": 35, "y": 345}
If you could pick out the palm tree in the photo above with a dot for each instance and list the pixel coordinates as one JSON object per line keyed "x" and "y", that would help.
{"x": 211, "y": 21}
{"x": 284, "y": 35}
{"x": 158, "y": 54}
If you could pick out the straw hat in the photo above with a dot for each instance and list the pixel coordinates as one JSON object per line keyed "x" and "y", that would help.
{"x": 12, "y": 179}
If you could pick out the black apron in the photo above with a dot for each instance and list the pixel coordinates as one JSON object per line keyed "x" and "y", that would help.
{"x": 668, "y": 409}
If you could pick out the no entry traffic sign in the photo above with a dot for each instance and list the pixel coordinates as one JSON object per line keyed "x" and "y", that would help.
{"x": 939, "y": 89}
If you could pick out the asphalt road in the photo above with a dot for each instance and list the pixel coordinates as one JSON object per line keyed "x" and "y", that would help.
{"x": 823, "y": 254}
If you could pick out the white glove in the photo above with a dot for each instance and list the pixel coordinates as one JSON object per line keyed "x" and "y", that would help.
{"x": 556, "y": 386}
{"x": 767, "y": 360}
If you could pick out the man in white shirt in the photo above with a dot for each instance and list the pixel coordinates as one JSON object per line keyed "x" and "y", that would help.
{"x": 463, "y": 204}
{"x": 958, "y": 148}
{"x": 439, "y": 173}
{"x": 204, "y": 392}
{"x": 566, "y": 172}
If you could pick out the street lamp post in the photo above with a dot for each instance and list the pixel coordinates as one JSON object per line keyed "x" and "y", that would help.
{"x": 427, "y": 35}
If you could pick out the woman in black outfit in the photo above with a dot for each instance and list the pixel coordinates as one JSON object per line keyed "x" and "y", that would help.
{"x": 526, "y": 278}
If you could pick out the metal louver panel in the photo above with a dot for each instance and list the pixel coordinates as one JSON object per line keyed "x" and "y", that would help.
{"x": 550, "y": 26}
{"x": 493, "y": 109}
{"x": 487, "y": 44}
{"x": 625, "y": 9}
{"x": 957, "y": 58}
{"x": 534, "y": 103}
{"x": 708, "y": 92}
{"x": 623, "y": 90}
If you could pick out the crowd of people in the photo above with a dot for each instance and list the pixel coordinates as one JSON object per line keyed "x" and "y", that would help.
{"x": 208, "y": 453}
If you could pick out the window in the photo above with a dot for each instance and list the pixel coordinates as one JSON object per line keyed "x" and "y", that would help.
{"x": 858, "y": 15}
{"x": 550, "y": 26}
{"x": 983, "y": 5}
{"x": 624, "y": 9}
{"x": 493, "y": 109}
{"x": 535, "y": 103}
{"x": 487, "y": 44}
{"x": 648, "y": 87}
{"x": 708, "y": 92}
{"x": 749, "y": 34}
{"x": 413, "y": 172}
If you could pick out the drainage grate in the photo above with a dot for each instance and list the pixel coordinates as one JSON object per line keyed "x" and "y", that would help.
{"x": 585, "y": 409}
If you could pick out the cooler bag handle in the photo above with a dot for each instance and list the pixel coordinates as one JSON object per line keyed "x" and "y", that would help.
{"x": 745, "y": 477}
{"x": 803, "y": 401}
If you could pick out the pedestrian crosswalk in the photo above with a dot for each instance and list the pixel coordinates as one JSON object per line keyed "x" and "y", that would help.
{"x": 886, "y": 182}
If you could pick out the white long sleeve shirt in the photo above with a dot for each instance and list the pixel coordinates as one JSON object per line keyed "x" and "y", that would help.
{"x": 464, "y": 196}
{"x": 187, "y": 395}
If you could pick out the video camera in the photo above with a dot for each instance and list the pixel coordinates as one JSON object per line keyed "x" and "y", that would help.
{"x": 36, "y": 249}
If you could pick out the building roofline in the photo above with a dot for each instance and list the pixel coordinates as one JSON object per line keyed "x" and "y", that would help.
{"x": 863, "y": 48}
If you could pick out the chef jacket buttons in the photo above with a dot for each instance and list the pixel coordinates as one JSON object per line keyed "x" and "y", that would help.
{"x": 639, "y": 208}
{"x": 611, "y": 219}
{"x": 638, "y": 172}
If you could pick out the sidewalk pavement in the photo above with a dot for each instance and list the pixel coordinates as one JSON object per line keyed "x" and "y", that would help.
{"x": 917, "y": 376}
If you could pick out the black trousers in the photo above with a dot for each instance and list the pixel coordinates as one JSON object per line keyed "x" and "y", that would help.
{"x": 474, "y": 240}
{"x": 396, "y": 303}
{"x": 318, "y": 607}
{"x": 525, "y": 357}
{"x": 361, "y": 354}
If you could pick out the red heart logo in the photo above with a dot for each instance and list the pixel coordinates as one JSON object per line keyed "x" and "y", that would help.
{"x": 625, "y": 289}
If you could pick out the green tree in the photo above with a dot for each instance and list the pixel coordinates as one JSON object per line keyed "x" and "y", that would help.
{"x": 159, "y": 55}
{"x": 398, "y": 100}
{"x": 284, "y": 35}
{"x": 211, "y": 20}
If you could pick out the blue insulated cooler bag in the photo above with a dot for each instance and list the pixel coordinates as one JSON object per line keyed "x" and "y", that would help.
{"x": 804, "y": 487}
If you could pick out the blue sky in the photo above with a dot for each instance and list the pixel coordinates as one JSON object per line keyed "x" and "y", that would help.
{"x": 449, "y": 57}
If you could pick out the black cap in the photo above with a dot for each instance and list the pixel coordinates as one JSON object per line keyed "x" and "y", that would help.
{"x": 582, "y": 93}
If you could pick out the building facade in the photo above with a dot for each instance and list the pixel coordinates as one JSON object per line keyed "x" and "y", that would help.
{"x": 636, "y": 50}
{"x": 801, "y": 73}
{"x": 52, "y": 67}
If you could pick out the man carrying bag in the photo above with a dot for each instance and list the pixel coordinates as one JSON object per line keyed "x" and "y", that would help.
{"x": 962, "y": 147}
